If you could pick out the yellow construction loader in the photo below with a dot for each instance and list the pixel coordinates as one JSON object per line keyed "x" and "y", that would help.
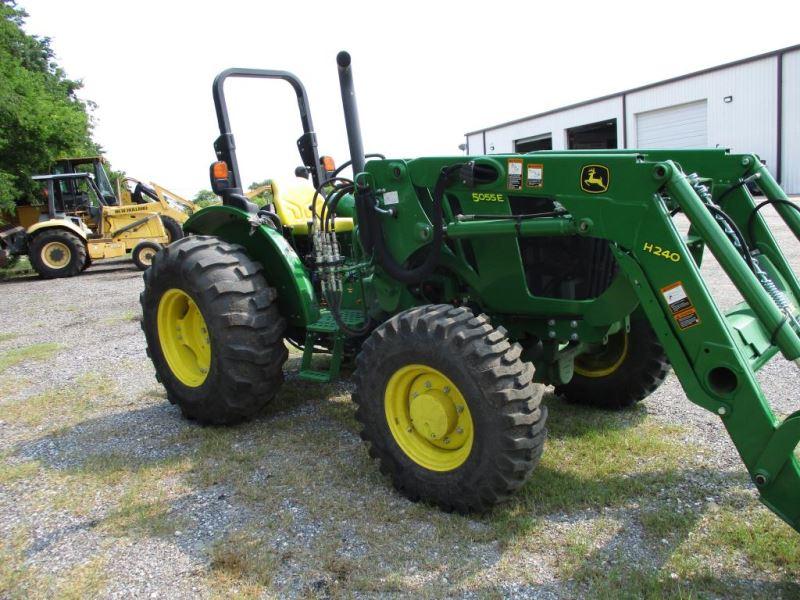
{"x": 132, "y": 195}
{"x": 78, "y": 223}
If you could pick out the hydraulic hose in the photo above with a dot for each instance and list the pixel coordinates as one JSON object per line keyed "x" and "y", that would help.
{"x": 365, "y": 205}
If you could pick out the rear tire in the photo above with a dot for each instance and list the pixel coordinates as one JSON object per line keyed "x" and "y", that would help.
{"x": 619, "y": 379}
{"x": 449, "y": 355}
{"x": 57, "y": 253}
{"x": 174, "y": 229}
{"x": 213, "y": 330}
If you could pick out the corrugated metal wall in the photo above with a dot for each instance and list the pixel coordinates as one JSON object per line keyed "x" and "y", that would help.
{"x": 503, "y": 138}
{"x": 791, "y": 122}
{"x": 747, "y": 123}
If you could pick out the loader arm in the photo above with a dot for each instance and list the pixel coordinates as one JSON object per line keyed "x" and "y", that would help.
{"x": 629, "y": 198}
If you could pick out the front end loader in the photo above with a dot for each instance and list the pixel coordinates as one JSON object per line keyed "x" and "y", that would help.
{"x": 77, "y": 226}
{"x": 129, "y": 196}
{"x": 463, "y": 285}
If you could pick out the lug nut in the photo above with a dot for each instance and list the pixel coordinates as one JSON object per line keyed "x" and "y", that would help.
{"x": 551, "y": 334}
{"x": 460, "y": 408}
{"x": 428, "y": 384}
{"x": 446, "y": 389}
{"x": 459, "y": 430}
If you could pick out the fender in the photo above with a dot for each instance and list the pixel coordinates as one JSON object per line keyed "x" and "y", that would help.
{"x": 57, "y": 224}
{"x": 284, "y": 269}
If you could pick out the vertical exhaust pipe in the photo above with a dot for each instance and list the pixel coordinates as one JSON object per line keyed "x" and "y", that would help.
{"x": 350, "y": 112}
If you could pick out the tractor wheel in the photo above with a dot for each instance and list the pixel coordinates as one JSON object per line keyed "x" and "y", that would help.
{"x": 57, "y": 253}
{"x": 173, "y": 228}
{"x": 448, "y": 407}
{"x": 144, "y": 252}
{"x": 628, "y": 369}
{"x": 213, "y": 330}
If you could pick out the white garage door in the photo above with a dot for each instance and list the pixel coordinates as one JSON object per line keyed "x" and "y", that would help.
{"x": 681, "y": 126}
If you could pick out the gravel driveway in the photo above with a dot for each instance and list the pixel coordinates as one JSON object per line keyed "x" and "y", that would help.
{"x": 106, "y": 491}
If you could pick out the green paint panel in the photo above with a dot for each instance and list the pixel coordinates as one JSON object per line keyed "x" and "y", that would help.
{"x": 283, "y": 268}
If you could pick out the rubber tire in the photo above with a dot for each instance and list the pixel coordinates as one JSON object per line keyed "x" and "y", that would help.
{"x": 498, "y": 386}
{"x": 73, "y": 242}
{"x": 640, "y": 374}
{"x": 174, "y": 229}
{"x": 136, "y": 253}
{"x": 244, "y": 325}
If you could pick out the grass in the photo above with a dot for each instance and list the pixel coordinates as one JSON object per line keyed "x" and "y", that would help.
{"x": 242, "y": 565}
{"x": 21, "y": 579}
{"x": 22, "y": 266}
{"x": 128, "y": 315}
{"x": 4, "y": 337}
{"x": 61, "y": 407}
{"x": 34, "y": 352}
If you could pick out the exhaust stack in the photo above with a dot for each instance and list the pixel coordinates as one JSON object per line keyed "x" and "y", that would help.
{"x": 350, "y": 112}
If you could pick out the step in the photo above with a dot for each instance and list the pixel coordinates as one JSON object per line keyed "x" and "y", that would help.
{"x": 316, "y": 376}
{"x": 326, "y": 324}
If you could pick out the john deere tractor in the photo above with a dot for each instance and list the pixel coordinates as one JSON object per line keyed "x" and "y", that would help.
{"x": 463, "y": 285}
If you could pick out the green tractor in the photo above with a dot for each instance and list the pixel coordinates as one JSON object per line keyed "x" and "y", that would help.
{"x": 463, "y": 285}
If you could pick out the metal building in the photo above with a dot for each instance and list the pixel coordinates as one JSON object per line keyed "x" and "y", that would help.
{"x": 750, "y": 105}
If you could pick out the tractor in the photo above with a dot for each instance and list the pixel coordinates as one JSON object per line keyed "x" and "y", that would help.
{"x": 463, "y": 285}
{"x": 154, "y": 198}
{"x": 76, "y": 226}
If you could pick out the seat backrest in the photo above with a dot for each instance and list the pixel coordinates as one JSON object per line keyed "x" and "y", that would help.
{"x": 292, "y": 200}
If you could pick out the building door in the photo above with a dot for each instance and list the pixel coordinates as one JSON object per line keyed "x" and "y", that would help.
{"x": 602, "y": 134}
{"x": 538, "y": 142}
{"x": 680, "y": 126}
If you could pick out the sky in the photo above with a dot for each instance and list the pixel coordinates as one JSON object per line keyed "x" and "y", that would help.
{"x": 425, "y": 72}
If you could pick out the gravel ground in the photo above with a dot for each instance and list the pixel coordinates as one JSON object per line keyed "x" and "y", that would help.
{"x": 304, "y": 497}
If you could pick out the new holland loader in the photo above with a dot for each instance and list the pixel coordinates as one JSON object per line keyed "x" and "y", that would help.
{"x": 77, "y": 225}
{"x": 141, "y": 199}
{"x": 464, "y": 285}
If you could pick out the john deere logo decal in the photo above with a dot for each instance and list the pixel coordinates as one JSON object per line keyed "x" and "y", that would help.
{"x": 595, "y": 179}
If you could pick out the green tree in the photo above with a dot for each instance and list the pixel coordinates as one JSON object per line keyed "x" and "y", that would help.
{"x": 264, "y": 196}
{"x": 205, "y": 198}
{"x": 41, "y": 117}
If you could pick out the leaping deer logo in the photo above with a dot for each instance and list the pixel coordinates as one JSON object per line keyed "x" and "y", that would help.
{"x": 594, "y": 179}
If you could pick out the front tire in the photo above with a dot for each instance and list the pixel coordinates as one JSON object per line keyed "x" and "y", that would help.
{"x": 57, "y": 253}
{"x": 448, "y": 407}
{"x": 213, "y": 330}
{"x": 628, "y": 369}
{"x": 143, "y": 253}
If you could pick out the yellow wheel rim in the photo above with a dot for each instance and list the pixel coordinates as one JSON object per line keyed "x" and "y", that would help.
{"x": 428, "y": 417}
{"x": 184, "y": 337}
{"x": 56, "y": 255}
{"x": 605, "y": 362}
{"x": 146, "y": 256}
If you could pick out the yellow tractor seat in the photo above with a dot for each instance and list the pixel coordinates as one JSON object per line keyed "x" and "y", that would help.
{"x": 292, "y": 200}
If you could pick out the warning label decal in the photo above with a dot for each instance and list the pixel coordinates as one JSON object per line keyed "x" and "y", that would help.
{"x": 515, "y": 173}
{"x": 687, "y": 318}
{"x": 680, "y": 305}
{"x": 676, "y": 297}
{"x": 535, "y": 177}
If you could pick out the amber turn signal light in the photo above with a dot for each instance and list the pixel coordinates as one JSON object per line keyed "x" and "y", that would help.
{"x": 220, "y": 170}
